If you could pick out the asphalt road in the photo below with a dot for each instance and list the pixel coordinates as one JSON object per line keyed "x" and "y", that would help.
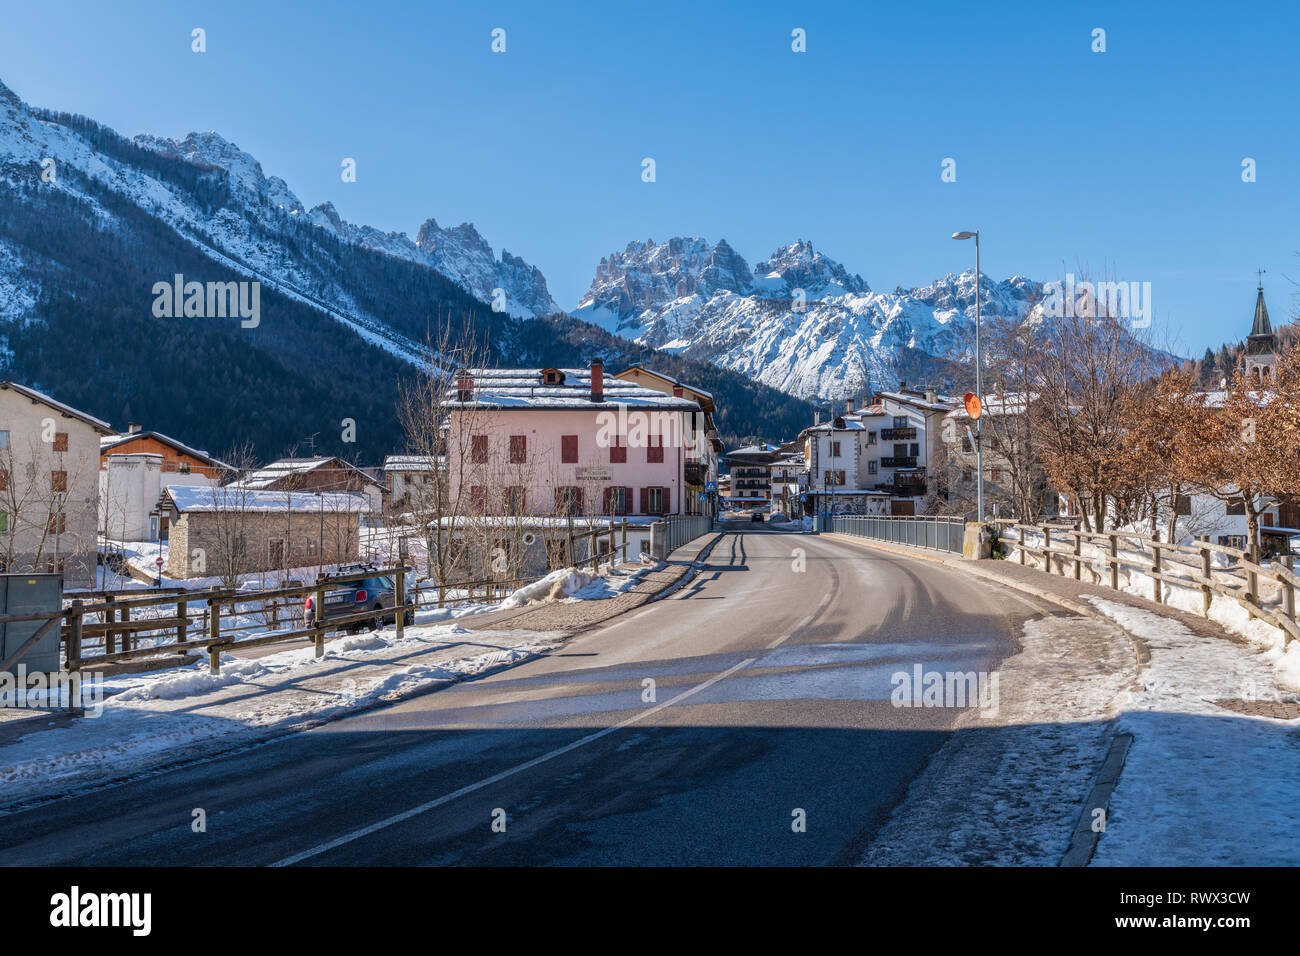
{"x": 769, "y": 704}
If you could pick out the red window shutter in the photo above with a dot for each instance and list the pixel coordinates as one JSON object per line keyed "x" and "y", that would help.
{"x": 605, "y": 504}
{"x": 645, "y": 501}
{"x": 518, "y": 449}
{"x": 667, "y": 502}
{"x": 618, "y": 452}
{"x": 476, "y": 497}
{"x": 569, "y": 449}
{"x": 655, "y": 452}
{"x": 577, "y": 501}
{"x": 479, "y": 449}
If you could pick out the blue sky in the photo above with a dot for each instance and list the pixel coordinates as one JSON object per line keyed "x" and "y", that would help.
{"x": 1126, "y": 162}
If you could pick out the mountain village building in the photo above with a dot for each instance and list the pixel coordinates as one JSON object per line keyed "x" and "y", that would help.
{"x": 701, "y": 471}
{"x": 874, "y": 460}
{"x": 570, "y": 442}
{"x": 323, "y": 473}
{"x": 231, "y": 529}
{"x": 750, "y": 469}
{"x": 133, "y": 470}
{"x": 49, "y": 486}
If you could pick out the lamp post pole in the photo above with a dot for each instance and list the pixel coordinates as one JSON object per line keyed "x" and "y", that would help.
{"x": 979, "y": 382}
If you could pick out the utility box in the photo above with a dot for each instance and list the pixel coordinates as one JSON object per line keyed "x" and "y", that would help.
{"x": 31, "y": 594}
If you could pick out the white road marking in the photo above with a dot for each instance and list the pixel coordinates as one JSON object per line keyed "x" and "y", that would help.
{"x": 447, "y": 798}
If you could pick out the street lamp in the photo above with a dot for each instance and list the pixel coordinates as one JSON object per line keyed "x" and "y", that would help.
{"x": 979, "y": 381}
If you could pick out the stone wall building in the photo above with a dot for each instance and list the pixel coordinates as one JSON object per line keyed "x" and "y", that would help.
{"x": 227, "y": 531}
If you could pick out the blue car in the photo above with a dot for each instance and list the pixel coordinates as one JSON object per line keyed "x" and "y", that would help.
{"x": 355, "y": 597}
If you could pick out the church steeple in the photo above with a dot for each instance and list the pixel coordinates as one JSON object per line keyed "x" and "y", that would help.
{"x": 1261, "y": 345}
{"x": 1261, "y": 333}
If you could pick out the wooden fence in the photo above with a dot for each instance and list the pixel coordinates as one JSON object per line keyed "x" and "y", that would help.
{"x": 123, "y": 624}
{"x": 1193, "y": 567}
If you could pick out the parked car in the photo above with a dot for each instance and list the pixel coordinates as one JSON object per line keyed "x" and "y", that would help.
{"x": 355, "y": 597}
{"x": 757, "y": 515}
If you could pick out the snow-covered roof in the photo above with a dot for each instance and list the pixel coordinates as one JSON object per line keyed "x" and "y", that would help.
{"x": 112, "y": 441}
{"x": 942, "y": 403}
{"x": 95, "y": 423}
{"x": 1012, "y": 403}
{"x": 268, "y": 475}
{"x": 850, "y": 425}
{"x": 191, "y": 498}
{"x": 763, "y": 449}
{"x": 1219, "y": 397}
{"x": 849, "y": 493}
{"x": 666, "y": 378}
{"x": 412, "y": 462}
{"x": 523, "y": 388}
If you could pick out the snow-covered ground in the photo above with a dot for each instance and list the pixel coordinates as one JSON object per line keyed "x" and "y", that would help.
{"x": 1223, "y": 610}
{"x": 1202, "y": 785}
{"x": 186, "y": 712}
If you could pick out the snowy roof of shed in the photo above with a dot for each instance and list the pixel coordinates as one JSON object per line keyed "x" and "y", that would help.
{"x": 191, "y": 498}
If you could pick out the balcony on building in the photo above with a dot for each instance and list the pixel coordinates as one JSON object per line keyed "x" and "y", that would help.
{"x": 898, "y": 434}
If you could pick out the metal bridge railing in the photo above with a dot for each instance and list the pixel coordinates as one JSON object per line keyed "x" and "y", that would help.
{"x": 937, "y": 533}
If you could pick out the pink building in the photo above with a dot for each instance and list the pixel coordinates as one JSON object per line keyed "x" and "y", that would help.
{"x": 571, "y": 441}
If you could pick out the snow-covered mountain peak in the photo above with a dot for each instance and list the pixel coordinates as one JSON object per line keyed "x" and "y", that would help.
{"x": 245, "y": 172}
{"x": 953, "y": 293}
{"x": 649, "y": 274}
{"x": 799, "y": 266}
{"x": 326, "y": 216}
{"x": 839, "y": 338}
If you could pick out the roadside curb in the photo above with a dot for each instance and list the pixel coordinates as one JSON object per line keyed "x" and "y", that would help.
{"x": 1083, "y": 844}
{"x": 696, "y": 564}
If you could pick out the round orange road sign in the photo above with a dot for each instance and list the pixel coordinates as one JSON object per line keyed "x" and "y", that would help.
{"x": 973, "y": 407}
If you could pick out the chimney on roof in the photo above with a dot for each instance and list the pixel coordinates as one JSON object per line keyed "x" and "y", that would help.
{"x": 931, "y": 396}
{"x": 902, "y": 385}
{"x": 597, "y": 380}
{"x": 464, "y": 387}
{"x": 848, "y": 406}
{"x": 133, "y": 428}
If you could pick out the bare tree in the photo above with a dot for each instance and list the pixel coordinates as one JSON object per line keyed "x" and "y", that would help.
{"x": 1090, "y": 366}
{"x": 1240, "y": 445}
{"x": 227, "y": 548}
{"x": 424, "y": 408}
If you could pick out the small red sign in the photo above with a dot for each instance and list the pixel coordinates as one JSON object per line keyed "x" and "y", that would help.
{"x": 973, "y": 407}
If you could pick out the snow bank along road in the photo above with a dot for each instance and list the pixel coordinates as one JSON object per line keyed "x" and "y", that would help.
{"x": 744, "y": 719}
